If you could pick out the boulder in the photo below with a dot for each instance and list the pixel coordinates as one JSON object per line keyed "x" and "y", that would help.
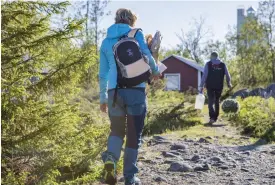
{"x": 242, "y": 93}
{"x": 258, "y": 92}
{"x": 270, "y": 90}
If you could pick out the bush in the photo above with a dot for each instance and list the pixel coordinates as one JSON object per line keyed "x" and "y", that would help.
{"x": 169, "y": 111}
{"x": 190, "y": 95}
{"x": 256, "y": 117}
{"x": 230, "y": 106}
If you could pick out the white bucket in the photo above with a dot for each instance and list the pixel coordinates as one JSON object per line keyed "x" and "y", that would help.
{"x": 200, "y": 99}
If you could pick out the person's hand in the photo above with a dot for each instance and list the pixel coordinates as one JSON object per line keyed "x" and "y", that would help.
{"x": 200, "y": 89}
{"x": 156, "y": 77}
{"x": 229, "y": 85}
{"x": 103, "y": 107}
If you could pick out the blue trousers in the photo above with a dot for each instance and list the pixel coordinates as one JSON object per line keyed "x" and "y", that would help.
{"x": 127, "y": 118}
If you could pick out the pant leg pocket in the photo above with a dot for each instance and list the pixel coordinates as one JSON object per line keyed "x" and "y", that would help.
{"x": 119, "y": 108}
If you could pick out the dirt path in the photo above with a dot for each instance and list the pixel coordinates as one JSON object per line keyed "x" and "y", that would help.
{"x": 206, "y": 156}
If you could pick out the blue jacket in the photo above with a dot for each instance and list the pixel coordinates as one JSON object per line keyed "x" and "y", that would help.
{"x": 107, "y": 67}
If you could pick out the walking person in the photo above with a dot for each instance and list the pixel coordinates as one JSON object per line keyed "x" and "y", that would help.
{"x": 123, "y": 74}
{"x": 213, "y": 79}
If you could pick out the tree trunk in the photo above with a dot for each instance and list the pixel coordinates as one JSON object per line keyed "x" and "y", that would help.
{"x": 273, "y": 67}
{"x": 96, "y": 26}
{"x": 87, "y": 20}
{"x": 96, "y": 36}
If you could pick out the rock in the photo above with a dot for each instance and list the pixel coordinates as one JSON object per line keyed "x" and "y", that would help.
{"x": 244, "y": 169}
{"x": 257, "y": 92}
{"x": 149, "y": 161}
{"x": 232, "y": 182}
{"x": 159, "y": 138}
{"x": 208, "y": 137}
{"x": 143, "y": 141}
{"x": 242, "y": 160}
{"x": 188, "y": 175}
{"x": 174, "y": 152}
{"x": 141, "y": 158}
{"x": 246, "y": 153}
{"x": 272, "y": 152}
{"x": 199, "y": 168}
{"x": 158, "y": 157}
{"x": 195, "y": 158}
{"x": 182, "y": 151}
{"x": 217, "y": 164}
{"x": 231, "y": 159}
{"x": 196, "y": 144}
{"x": 169, "y": 161}
{"x": 121, "y": 179}
{"x": 163, "y": 142}
{"x": 178, "y": 146}
{"x": 264, "y": 151}
{"x": 140, "y": 151}
{"x": 161, "y": 179}
{"x": 202, "y": 140}
{"x": 242, "y": 93}
{"x": 189, "y": 140}
{"x": 250, "y": 179}
{"x": 224, "y": 167}
{"x": 205, "y": 167}
{"x": 271, "y": 90}
{"x": 261, "y": 142}
{"x": 216, "y": 159}
{"x": 168, "y": 154}
{"x": 228, "y": 174}
{"x": 180, "y": 167}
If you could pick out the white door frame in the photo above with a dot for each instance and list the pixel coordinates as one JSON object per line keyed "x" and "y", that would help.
{"x": 199, "y": 78}
{"x": 169, "y": 74}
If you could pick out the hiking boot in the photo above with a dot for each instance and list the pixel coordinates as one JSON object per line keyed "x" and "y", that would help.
{"x": 110, "y": 176}
{"x": 133, "y": 181}
{"x": 211, "y": 121}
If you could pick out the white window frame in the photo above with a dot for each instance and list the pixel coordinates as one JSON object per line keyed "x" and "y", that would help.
{"x": 173, "y": 74}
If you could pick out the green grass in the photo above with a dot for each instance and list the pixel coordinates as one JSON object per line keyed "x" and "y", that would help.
{"x": 219, "y": 136}
{"x": 199, "y": 131}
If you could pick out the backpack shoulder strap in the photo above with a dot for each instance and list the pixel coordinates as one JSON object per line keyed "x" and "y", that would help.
{"x": 133, "y": 32}
{"x": 209, "y": 64}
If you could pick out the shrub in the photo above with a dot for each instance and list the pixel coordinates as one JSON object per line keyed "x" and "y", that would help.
{"x": 256, "y": 117}
{"x": 230, "y": 106}
{"x": 169, "y": 111}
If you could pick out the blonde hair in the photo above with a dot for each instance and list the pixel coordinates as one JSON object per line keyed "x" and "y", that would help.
{"x": 125, "y": 16}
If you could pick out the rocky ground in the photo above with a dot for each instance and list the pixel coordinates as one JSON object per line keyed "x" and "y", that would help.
{"x": 190, "y": 161}
{"x": 203, "y": 155}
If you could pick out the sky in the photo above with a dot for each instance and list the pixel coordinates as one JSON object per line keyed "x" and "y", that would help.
{"x": 170, "y": 17}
